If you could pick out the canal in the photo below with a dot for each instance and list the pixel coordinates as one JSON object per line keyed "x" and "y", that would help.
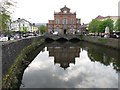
{"x": 73, "y": 65}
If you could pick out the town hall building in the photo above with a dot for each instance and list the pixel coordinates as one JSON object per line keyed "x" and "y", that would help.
{"x": 65, "y": 22}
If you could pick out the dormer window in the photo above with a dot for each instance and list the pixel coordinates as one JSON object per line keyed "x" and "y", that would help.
{"x": 65, "y": 11}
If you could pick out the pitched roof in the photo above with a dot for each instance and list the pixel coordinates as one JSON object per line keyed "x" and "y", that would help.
{"x": 99, "y": 17}
{"x": 102, "y": 17}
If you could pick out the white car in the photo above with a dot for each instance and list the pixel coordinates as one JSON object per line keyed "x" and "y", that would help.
{"x": 3, "y": 38}
{"x": 55, "y": 33}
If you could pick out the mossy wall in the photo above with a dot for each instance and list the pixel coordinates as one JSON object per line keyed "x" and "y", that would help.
{"x": 11, "y": 49}
{"x": 12, "y": 80}
{"x": 16, "y": 55}
{"x": 109, "y": 42}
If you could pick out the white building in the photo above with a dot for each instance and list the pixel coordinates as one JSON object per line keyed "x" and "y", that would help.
{"x": 20, "y": 25}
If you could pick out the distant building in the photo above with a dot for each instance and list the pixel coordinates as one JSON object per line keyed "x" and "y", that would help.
{"x": 84, "y": 28}
{"x": 19, "y": 24}
{"x": 102, "y": 18}
{"x": 65, "y": 22}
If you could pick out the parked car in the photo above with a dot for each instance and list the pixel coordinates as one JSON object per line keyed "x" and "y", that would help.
{"x": 55, "y": 33}
{"x": 115, "y": 35}
{"x": 3, "y": 38}
{"x": 16, "y": 36}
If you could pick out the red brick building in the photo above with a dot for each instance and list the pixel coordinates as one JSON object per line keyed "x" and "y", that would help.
{"x": 65, "y": 22}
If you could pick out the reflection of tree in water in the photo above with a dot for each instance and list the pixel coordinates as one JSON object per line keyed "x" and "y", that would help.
{"x": 116, "y": 64}
{"x": 105, "y": 58}
{"x": 64, "y": 54}
{"x": 97, "y": 56}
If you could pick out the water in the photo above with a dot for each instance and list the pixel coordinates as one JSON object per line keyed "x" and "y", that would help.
{"x": 73, "y": 65}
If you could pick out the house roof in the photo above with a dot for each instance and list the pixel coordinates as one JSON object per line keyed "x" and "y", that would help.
{"x": 102, "y": 17}
{"x": 22, "y": 20}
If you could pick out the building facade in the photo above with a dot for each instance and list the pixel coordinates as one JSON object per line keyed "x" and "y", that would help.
{"x": 65, "y": 22}
{"x": 21, "y": 24}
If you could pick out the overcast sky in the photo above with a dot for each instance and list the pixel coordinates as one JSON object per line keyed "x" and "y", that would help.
{"x": 40, "y": 11}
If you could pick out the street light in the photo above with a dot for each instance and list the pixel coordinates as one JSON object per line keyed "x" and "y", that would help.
{"x": 19, "y": 27}
{"x": 9, "y": 28}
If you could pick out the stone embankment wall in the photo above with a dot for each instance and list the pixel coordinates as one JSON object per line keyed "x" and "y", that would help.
{"x": 11, "y": 49}
{"x": 109, "y": 42}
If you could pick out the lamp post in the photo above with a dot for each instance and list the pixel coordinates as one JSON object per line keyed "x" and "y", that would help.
{"x": 9, "y": 28}
{"x": 19, "y": 27}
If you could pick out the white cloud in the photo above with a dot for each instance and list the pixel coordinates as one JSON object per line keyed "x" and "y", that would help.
{"x": 43, "y": 10}
{"x": 86, "y": 74}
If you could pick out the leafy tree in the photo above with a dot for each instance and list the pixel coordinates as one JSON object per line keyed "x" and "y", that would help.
{"x": 42, "y": 29}
{"x": 4, "y": 21}
{"x": 94, "y": 26}
{"x": 107, "y": 23}
{"x": 117, "y": 25}
{"x": 24, "y": 29}
{"x": 99, "y": 26}
{"x": 5, "y": 14}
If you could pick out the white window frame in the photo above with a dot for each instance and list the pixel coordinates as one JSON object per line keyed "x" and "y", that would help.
{"x": 57, "y": 21}
{"x": 65, "y": 21}
{"x": 72, "y": 21}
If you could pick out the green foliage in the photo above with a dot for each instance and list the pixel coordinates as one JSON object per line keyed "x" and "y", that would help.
{"x": 24, "y": 29}
{"x": 92, "y": 26}
{"x": 4, "y": 18}
{"x": 103, "y": 40}
{"x": 95, "y": 26}
{"x": 108, "y": 23}
{"x": 99, "y": 26}
{"x": 5, "y": 14}
{"x": 42, "y": 29}
{"x": 117, "y": 25}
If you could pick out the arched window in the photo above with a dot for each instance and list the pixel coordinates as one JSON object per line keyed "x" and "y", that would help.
{"x": 72, "y": 21}
{"x": 57, "y": 21}
{"x": 64, "y": 21}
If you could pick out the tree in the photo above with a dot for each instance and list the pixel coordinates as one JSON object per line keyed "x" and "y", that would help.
{"x": 107, "y": 23}
{"x": 4, "y": 18}
{"x": 117, "y": 25}
{"x": 94, "y": 26}
{"x": 24, "y": 29}
{"x": 5, "y": 14}
{"x": 99, "y": 26}
{"x": 42, "y": 29}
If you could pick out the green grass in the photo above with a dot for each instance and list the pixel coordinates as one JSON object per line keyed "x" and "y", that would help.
{"x": 103, "y": 40}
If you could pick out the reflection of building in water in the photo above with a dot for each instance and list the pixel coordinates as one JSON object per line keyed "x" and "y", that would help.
{"x": 64, "y": 55}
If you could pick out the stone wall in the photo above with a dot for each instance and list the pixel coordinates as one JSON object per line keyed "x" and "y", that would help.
{"x": 0, "y": 66}
{"x": 109, "y": 42}
{"x": 11, "y": 49}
